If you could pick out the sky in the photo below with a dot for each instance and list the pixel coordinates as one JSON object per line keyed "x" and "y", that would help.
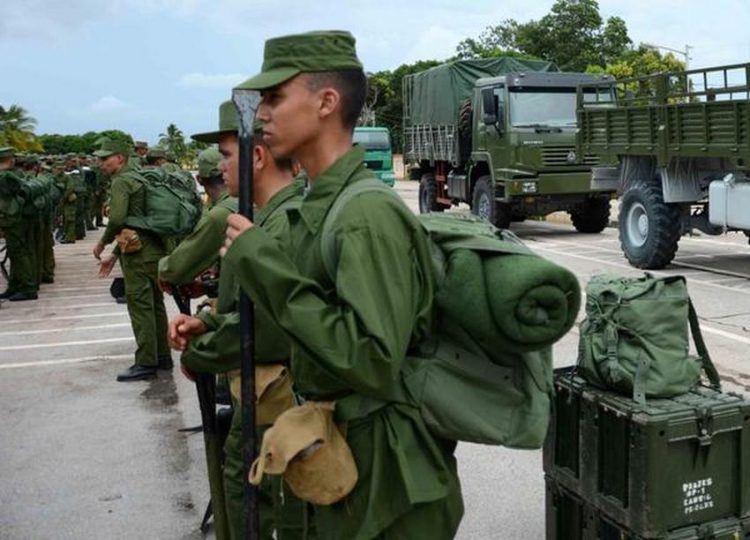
{"x": 138, "y": 65}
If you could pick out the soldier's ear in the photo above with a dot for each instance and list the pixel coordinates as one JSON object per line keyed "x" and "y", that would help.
{"x": 330, "y": 101}
{"x": 260, "y": 157}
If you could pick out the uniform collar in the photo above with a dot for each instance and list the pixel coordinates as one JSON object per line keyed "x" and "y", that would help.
{"x": 280, "y": 197}
{"x": 224, "y": 195}
{"x": 327, "y": 187}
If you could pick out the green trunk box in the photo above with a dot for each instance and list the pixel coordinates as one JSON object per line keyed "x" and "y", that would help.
{"x": 653, "y": 467}
{"x": 570, "y": 518}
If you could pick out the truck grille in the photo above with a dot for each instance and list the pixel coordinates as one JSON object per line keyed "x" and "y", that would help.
{"x": 557, "y": 156}
{"x": 374, "y": 165}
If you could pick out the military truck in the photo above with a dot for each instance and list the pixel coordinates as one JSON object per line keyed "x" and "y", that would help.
{"x": 378, "y": 152}
{"x": 499, "y": 134}
{"x": 676, "y": 146}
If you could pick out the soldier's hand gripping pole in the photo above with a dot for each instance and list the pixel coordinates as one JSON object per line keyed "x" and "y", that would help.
{"x": 247, "y": 102}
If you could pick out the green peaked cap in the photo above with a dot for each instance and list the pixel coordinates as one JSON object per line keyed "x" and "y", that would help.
{"x": 109, "y": 147}
{"x": 287, "y": 56}
{"x": 208, "y": 163}
{"x": 7, "y": 152}
{"x": 229, "y": 122}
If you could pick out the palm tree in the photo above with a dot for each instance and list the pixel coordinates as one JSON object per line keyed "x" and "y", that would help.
{"x": 174, "y": 140}
{"x": 17, "y": 129}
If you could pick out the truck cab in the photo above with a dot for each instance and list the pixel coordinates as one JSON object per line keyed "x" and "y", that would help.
{"x": 512, "y": 154}
{"x": 378, "y": 153}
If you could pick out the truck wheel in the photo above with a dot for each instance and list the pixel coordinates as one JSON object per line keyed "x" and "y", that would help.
{"x": 483, "y": 204}
{"x": 649, "y": 228}
{"x": 464, "y": 119}
{"x": 591, "y": 216}
{"x": 428, "y": 195}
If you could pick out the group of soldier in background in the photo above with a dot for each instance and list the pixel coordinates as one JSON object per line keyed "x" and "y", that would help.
{"x": 48, "y": 198}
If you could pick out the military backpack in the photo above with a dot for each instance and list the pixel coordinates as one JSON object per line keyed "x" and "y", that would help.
{"x": 485, "y": 374}
{"x": 173, "y": 206}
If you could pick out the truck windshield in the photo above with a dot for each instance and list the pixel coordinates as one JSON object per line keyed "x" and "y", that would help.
{"x": 373, "y": 140}
{"x": 547, "y": 107}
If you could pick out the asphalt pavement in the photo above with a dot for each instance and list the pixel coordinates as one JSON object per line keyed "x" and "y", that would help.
{"x": 83, "y": 456}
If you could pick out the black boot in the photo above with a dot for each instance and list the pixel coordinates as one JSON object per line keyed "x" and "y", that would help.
{"x": 165, "y": 361}
{"x": 137, "y": 373}
{"x": 21, "y": 296}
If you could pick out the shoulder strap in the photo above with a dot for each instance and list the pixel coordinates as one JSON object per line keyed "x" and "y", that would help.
{"x": 327, "y": 238}
{"x": 700, "y": 347}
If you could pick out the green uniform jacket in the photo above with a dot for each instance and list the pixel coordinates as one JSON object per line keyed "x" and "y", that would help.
{"x": 351, "y": 337}
{"x": 128, "y": 198}
{"x": 200, "y": 249}
{"x": 218, "y": 350}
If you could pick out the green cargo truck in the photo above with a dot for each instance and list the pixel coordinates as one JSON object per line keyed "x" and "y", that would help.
{"x": 676, "y": 146}
{"x": 500, "y": 134}
{"x": 378, "y": 153}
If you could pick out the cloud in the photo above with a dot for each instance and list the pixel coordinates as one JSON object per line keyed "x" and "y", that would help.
{"x": 109, "y": 104}
{"x": 434, "y": 43}
{"x": 204, "y": 80}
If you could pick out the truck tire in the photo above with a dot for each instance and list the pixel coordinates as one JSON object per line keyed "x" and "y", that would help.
{"x": 428, "y": 194}
{"x": 483, "y": 204}
{"x": 464, "y": 119}
{"x": 591, "y": 216}
{"x": 649, "y": 228}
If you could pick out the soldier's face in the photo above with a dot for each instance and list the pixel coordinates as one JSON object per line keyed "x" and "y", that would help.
{"x": 6, "y": 164}
{"x": 291, "y": 116}
{"x": 229, "y": 147}
{"x": 111, "y": 164}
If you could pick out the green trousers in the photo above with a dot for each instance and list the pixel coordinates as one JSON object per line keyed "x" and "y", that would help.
{"x": 22, "y": 277}
{"x": 148, "y": 317}
{"x": 34, "y": 238}
{"x": 48, "y": 251}
{"x": 81, "y": 209}
{"x": 69, "y": 221}
{"x": 279, "y": 509}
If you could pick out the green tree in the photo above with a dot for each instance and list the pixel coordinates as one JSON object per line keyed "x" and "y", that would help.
{"x": 573, "y": 35}
{"x": 17, "y": 129}
{"x": 80, "y": 144}
{"x": 174, "y": 141}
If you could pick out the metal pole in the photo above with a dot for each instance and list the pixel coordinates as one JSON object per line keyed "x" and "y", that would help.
{"x": 247, "y": 102}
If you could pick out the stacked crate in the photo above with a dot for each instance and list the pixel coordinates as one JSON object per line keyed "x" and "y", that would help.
{"x": 675, "y": 468}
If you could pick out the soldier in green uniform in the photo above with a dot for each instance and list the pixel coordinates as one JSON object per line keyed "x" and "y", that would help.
{"x": 351, "y": 332}
{"x": 100, "y": 196}
{"x": 214, "y": 338}
{"x": 70, "y": 202}
{"x": 22, "y": 283}
{"x": 138, "y": 156}
{"x": 170, "y": 164}
{"x": 155, "y": 157}
{"x": 148, "y": 316}
{"x": 89, "y": 181}
{"x": 200, "y": 250}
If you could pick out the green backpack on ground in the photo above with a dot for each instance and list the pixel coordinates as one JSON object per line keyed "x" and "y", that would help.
{"x": 635, "y": 340}
{"x": 485, "y": 375}
{"x": 173, "y": 206}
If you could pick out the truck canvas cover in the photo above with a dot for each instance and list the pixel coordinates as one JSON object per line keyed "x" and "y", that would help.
{"x": 439, "y": 92}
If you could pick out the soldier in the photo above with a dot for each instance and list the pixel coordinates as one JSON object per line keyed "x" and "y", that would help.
{"x": 200, "y": 250}
{"x": 351, "y": 330}
{"x": 70, "y": 202}
{"x": 138, "y": 156}
{"x": 89, "y": 197}
{"x": 145, "y": 302}
{"x": 22, "y": 283}
{"x": 171, "y": 164}
{"x": 155, "y": 157}
{"x": 214, "y": 337}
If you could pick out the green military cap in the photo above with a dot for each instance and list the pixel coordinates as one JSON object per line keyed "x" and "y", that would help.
{"x": 109, "y": 147}
{"x": 229, "y": 122}
{"x": 31, "y": 159}
{"x": 156, "y": 152}
{"x": 7, "y": 152}
{"x": 208, "y": 163}
{"x": 287, "y": 56}
{"x": 141, "y": 144}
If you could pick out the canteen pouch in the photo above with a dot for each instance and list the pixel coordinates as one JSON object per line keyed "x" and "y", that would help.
{"x": 273, "y": 391}
{"x": 129, "y": 241}
{"x": 306, "y": 446}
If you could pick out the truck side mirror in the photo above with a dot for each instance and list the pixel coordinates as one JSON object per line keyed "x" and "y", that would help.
{"x": 489, "y": 107}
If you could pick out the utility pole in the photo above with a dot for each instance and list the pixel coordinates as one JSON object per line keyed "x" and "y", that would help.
{"x": 685, "y": 53}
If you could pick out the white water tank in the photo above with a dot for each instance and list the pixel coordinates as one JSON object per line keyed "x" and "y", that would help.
{"x": 729, "y": 203}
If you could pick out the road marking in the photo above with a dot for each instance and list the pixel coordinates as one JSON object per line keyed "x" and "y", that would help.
{"x": 65, "y": 344}
{"x": 43, "y": 297}
{"x": 65, "y": 361}
{"x": 724, "y": 334}
{"x": 631, "y": 269}
{"x": 66, "y": 318}
{"x": 69, "y": 329}
{"x": 66, "y": 307}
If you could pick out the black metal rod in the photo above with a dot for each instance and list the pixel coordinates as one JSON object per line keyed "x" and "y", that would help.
{"x": 247, "y": 330}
